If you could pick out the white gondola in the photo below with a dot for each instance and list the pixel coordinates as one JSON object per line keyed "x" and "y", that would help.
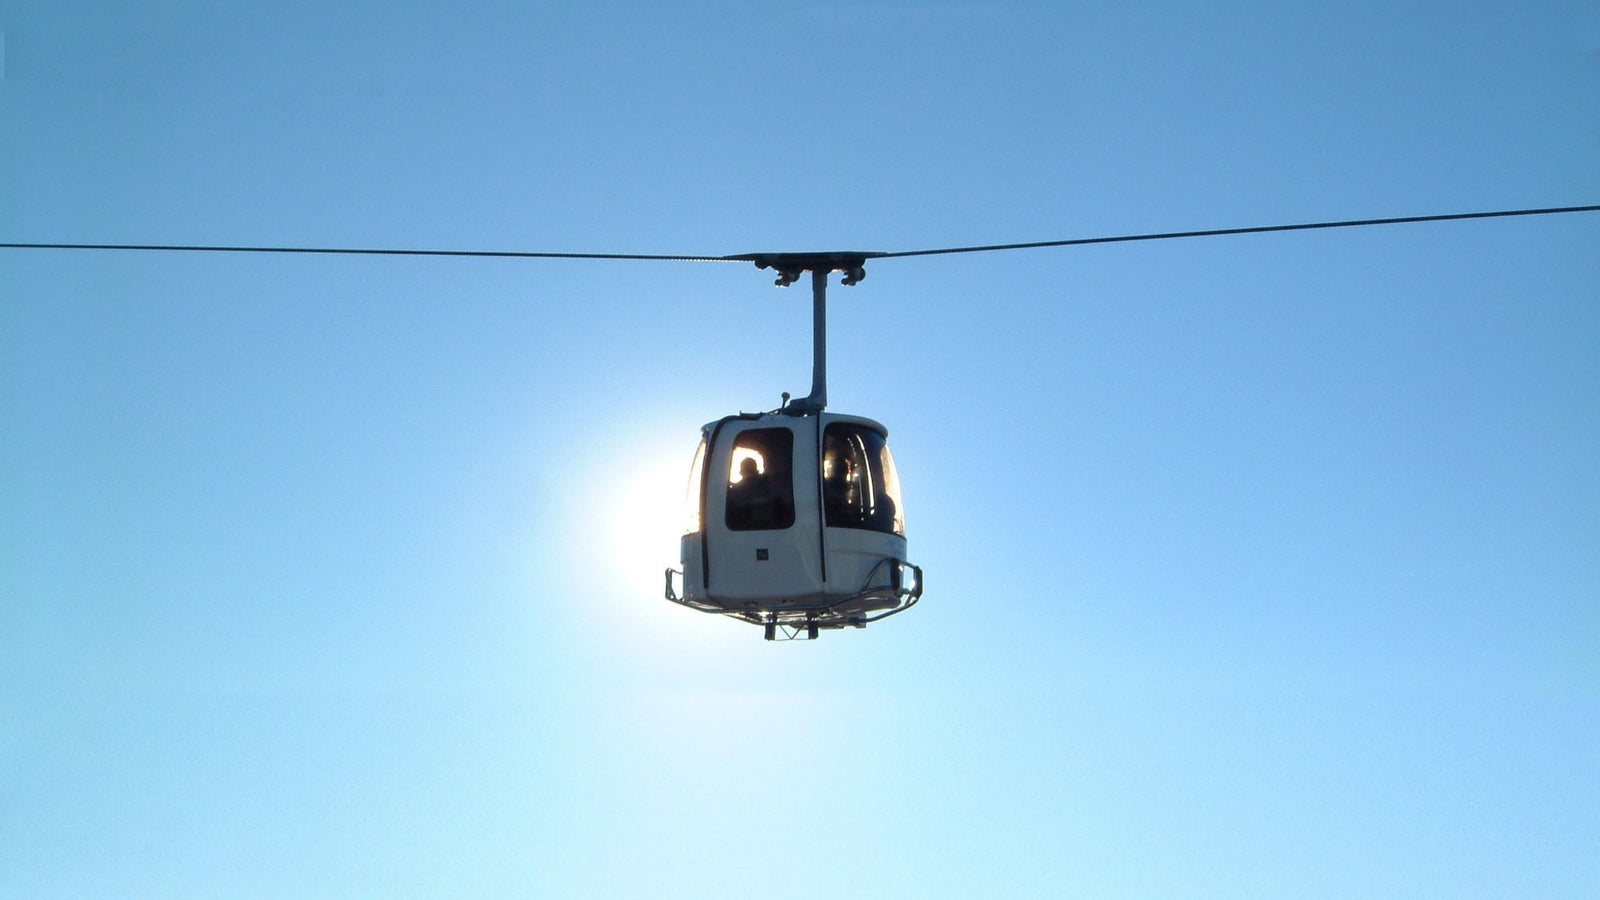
{"x": 795, "y": 520}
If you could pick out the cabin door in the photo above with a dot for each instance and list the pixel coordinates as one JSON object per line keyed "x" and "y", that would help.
{"x": 762, "y": 516}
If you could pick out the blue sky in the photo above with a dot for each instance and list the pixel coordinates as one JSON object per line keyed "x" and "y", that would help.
{"x": 1256, "y": 566}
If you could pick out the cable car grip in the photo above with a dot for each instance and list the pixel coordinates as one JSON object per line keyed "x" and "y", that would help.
{"x": 790, "y": 266}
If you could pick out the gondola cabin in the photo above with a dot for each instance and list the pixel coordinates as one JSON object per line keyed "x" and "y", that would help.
{"x": 795, "y": 522}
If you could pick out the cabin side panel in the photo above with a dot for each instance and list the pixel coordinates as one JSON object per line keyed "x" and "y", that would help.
{"x": 762, "y": 527}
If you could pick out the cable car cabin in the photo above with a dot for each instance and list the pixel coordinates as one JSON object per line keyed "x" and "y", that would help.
{"x": 795, "y": 522}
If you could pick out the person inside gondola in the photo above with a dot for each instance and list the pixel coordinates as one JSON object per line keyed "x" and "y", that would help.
{"x": 755, "y": 501}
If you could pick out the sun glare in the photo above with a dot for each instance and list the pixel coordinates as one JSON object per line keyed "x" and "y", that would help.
{"x": 633, "y": 531}
{"x": 645, "y": 524}
{"x": 740, "y": 454}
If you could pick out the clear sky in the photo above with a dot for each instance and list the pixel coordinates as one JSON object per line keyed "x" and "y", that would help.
{"x": 1257, "y": 566}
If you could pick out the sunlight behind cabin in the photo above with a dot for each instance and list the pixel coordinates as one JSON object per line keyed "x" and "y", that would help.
{"x": 1260, "y": 566}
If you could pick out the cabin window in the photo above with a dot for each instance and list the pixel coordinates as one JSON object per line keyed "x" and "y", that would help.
{"x": 761, "y": 480}
{"x": 860, "y": 487}
{"x": 691, "y": 496}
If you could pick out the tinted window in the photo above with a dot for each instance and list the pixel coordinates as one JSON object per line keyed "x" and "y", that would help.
{"x": 761, "y": 480}
{"x": 860, "y": 488}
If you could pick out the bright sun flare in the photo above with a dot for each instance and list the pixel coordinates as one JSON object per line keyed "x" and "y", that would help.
{"x": 646, "y": 524}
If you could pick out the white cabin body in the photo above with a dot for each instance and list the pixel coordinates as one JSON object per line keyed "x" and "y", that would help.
{"x": 796, "y": 520}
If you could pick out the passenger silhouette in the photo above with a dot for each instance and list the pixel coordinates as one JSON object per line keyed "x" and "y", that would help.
{"x": 748, "y": 471}
{"x": 756, "y": 502}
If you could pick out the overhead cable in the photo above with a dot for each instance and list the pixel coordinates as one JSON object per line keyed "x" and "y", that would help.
{"x": 747, "y": 257}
